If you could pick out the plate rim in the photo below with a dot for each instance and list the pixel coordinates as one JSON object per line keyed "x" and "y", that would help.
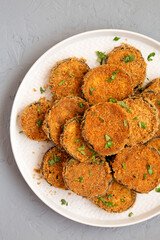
{"x": 38, "y": 194}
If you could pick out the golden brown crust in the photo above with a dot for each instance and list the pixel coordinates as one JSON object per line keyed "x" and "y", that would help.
{"x": 153, "y": 85}
{"x": 117, "y": 199}
{"x": 52, "y": 167}
{"x": 97, "y": 89}
{"x": 66, "y": 77}
{"x": 87, "y": 179}
{"x": 32, "y": 119}
{"x": 142, "y": 112}
{"x": 62, "y": 110}
{"x": 131, "y": 168}
{"x": 136, "y": 68}
{"x": 72, "y": 141}
{"x": 154, "y": 143}
{"x": 105, "y": 119}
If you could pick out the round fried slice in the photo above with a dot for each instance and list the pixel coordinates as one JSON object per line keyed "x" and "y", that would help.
{"x": 52, "y": 167}
{"x": 32, "y": 119}
{"x": 154, "y": 143}
{"x": 62, "y": 110}
{"x": 105, "y": 128}
{"x": 138, "y": 168}
{"x": 87, "y": 179}
{"x": 117, "y": 199}
{"x": 105, "y": 82}
{"x": 131, "y": 60}
{"x": 72, "y": 141}
{"x": 66, "y": 77}
{"x": 143, "y": 120}
{"x": 153, "y": 97}
{"x": 153, "y": 85}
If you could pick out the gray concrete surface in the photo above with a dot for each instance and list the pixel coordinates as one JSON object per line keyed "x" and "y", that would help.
{"x": 28, "y": 29}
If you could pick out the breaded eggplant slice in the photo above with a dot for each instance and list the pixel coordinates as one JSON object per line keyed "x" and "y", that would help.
{"x": 66, "y": 77}
{"x": 154, "y": 143}
{"x": 89, "y": 178}
{"x": 131, "y": 60}
{"x": 153, "y": 97}
{"x": 62, "y": 110}
{"x": 143, "y": 120}
{"x": 138, "y": 168}
{"x": 32, "y": 119}
{"x": 105, "y": 82}
{"x": 105, "y": 128}
{"x": 117, "y": 199}
{"x": 72, "y": 141}
{"x": 52, "y": 167}
{"x": 153, "y": 85}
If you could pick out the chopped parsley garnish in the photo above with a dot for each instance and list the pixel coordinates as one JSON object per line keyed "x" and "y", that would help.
{"x": 80, "y": 179}
{"x": 90, "y": 173}
{"x": 122, "y": 104}
{"x": 81, "y": 149}
{"x": 122, "y": 200}
{"x": 70, "y": 75}
{"x": 113, "y": 77}
{"x": 94, "y": 113}
{"x": 134, "y": 176}
{"x": 101, "y": 56}
{"x": 62, "y": 127}
{"x": 101, "y": 119}
{"x": 107, "y": 137}
{"x": 71, "y": 160}
{"x": 81, "y": 104}
{"x": 147, "y": 79}
{"x": 42, "y": 90}
{"x": 144, "y": 175}
{"x": 135, "y": 118}
{"x": 116, "y": 38}
{"x": 142, "y": 125}
{"x": 79, "y": 120}
{"x": 159, "y": 149}
{"x": 157, "y": 189}
{"x": 109, "y": 204}
{"x": 109, "y": 196}
{"x": 52, "y": 161}
{"x": 112, "y": 100}
{"x": 94, "y": 156}
{"x": 63, "y": 202}
{"x": 39, "y": 123}
{"x": 78, "y": 140}
{"x": 108, "y": 144}
{"x": 129, "y": 58}
{"x": 150, "y": 55}
{"x": 20, "y": 132}
{"x": 130, "y": 214}
{"x": 56, "y": 73}
{"x": 91, "y": 90}
{"x": 59, "y": 84}
{"x": 38, "y": 109}
{"x": 123, "y": 165}
{"x": 125, "y": 123}
{"x": 150, "y": 169}
{"x": 158, "y": 102}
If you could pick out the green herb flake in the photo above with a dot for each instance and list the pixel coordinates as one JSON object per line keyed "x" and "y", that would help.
{"x": 150, "y": 169}
{"x": 20, "y": 132}
{"x": 158, "y": 102}
{"x": 144, "y": 175}
{"x": 91, "y": 90}
{"x": 123, "y": 165}
{"x": 38, "y": 109}
{"x": 134, "y": 176}
{"x": 101, "y": 119}
{"x": 94, "y": 113}
{"x": 122, "y": 200}
{"x": 81, "y": 104}
{"x": 108, "y": 144}
{"x": 52, "y": 161}
{"x": 93, "y": 156}
{"x": 125, "y": 123}
{"x": 70, "y": 75}
{"x": 157, "y": 189}
{"x": 112, "y": 100}
{"x": 116, "y": 38}
{"x": 90, "y": 173}
{"x": 142, "y": 125}
{"x": 80, "y": 179}
{"x": 122, "y": 104}
{"x": 78, "y": 140}
{"x": 56, "y": 73}
{"x": 107, "y": 137}
{"x": 109, "y": 204}
{"x": 42, "y": 90}
{"x": 101, "y": 56}
{"x": 59, "y": 84}
{"x": 135, "y": 118}
{"x": 81, "y": 149}
{"x": 147, "y": 79}
{"x": 62, "y": 127}
{"x": 129, "y": 58}
{"x": 39, "y": 123}
{"x": 130, "y": 214}
{"x": 63, "y": 202}
{"x": 150, "y": 55}
{"x": 71, "y": 160}
{"x": 159, "y": 149}
{"x": 109, "y": 196}
{"x": 113, "y": 77}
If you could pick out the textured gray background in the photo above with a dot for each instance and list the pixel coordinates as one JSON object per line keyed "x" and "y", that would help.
{"x": 28, "y": 29}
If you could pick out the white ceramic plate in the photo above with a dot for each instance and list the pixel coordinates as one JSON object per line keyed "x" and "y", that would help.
{"x": 28, "y": 154}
